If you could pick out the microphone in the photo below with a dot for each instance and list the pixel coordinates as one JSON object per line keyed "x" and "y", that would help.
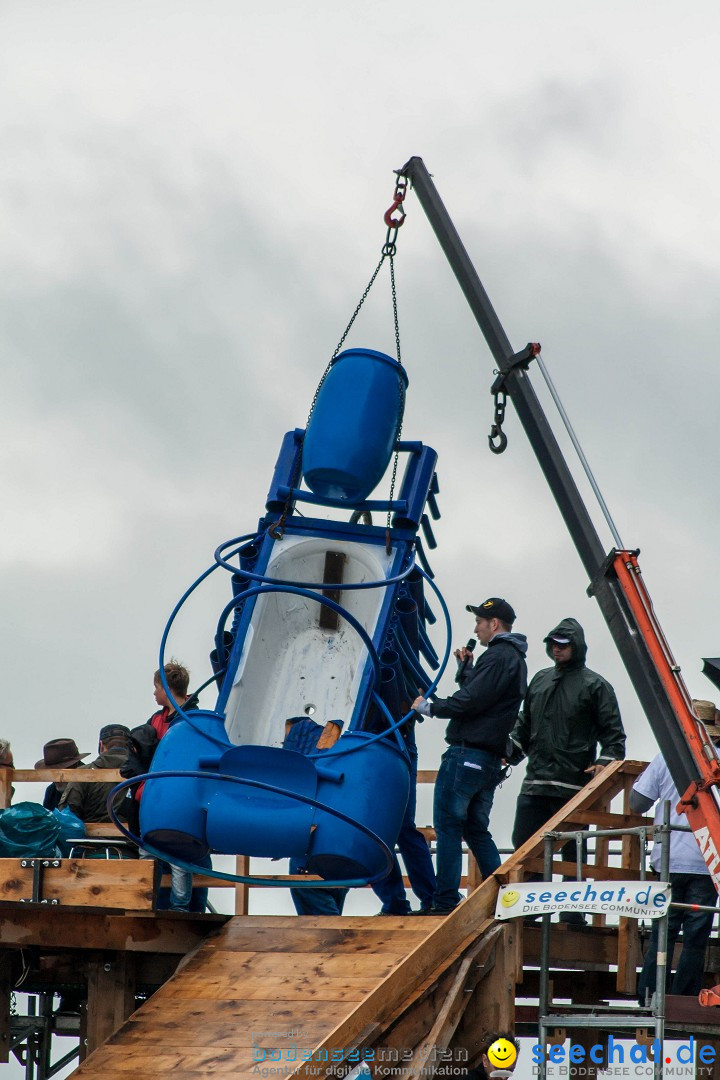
{"x": 461, "y": 670}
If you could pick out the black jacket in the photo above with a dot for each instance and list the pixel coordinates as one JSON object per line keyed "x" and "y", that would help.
{"x": 568, "y": 710}
{"x": 88, "y": 801}
{"x": 485, "y": 708}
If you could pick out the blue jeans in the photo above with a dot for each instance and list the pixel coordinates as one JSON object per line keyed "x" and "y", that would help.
{"x": 464, "y": 792}
{"x": 316, "y": 901}
{"x": 180, "y": 896}
{"x": 416, "y": 856}
{"x": 696, "y": 927}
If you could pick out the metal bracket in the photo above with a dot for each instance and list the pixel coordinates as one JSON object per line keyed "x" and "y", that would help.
{"x": 497, "y": 439}
{"x": 38, "y": 866}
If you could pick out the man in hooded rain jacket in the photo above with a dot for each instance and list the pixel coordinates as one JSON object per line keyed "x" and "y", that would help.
{"x": 568, "y": 710}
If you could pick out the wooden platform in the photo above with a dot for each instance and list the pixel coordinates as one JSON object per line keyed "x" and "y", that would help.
{"x": 255, "y": 994}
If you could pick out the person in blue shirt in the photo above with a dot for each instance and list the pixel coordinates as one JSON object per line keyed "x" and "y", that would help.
{"x": 691, "y": 884}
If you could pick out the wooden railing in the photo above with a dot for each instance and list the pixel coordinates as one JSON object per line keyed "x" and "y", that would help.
{"x": 600, "y": 816}
{"x": 10, "y": 777}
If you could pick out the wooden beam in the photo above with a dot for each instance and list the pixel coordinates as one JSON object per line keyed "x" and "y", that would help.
{"x": 25, "y": 925}
{"x": 6, "y": 786}
{"x": 492, "y": 1004}
{"x": 111, "y": 996}
{"x": 459, "y": 929}
{"x": 589, "y": 950}
{"x": 113, "y": 883}
{"x": 474, "y": 877}
{"x": 67, "y": 776}
{"x": 606, "y": 820}
{"x": 101, "y": 828}
{"x": 242, "y": 899}
{"x": 629, "y": 950}
{"x": 601, "y": 857}
{"x": 425, "y": 1056}
{"x": 5, "y": 998}
{"x": 333, "y": 574}
{"x": 589, "y": 871}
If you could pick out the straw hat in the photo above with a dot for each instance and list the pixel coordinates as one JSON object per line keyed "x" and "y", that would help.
{"x": 706, "y": 711}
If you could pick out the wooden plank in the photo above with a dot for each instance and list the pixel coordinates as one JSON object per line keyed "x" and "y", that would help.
{"x": 604, "y": 819}
{"x": 5, "y": 1001}
{"x": 67, "y": 776}
{"x": 588, "y": 870}
{"x": 106, "y": 1061}
{"x": 462, "y": 924}
{"x": 230, "y": 968}
{"x": 6, "y": 786}
{"x": 629, "y": 950}
{"x": 474, "y": 877}
{"x": 111, "y": 996}
{"x": 602, "y": 855}
{"x": 102, "y": 828}
{"x": 587, "y": 950}
{"x": 425, "y": 1058}
{"x": 220, "y": 1032}
{"x": 25, "y": 925}
{"x": 277, "y": 1014}
{"x": 492, "y": 1004}
{"x": 333, "y": 574}
{"x": 294, "y": 939}
{"x": 116, "y": 883}
{"x": 240, "y": 965}
{"x": 242, "y": 898}
{"x": 290, "y": 988}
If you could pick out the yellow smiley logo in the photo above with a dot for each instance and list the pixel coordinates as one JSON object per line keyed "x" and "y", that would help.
{"x": 502, "y": 1053}
{"x": 509, "y": 897}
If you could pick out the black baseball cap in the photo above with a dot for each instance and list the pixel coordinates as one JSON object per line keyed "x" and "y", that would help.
{"x": 558, "y": 639}
{"x": 493, "y": 608}
{"x": 114, "y": 731}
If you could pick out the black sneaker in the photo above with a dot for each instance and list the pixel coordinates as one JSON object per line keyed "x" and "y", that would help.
{"x": 435, "y": 911}
{"x": 572, "y": 918}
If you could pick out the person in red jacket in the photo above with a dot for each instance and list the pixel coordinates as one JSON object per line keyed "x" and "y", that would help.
{"x": 178, "y": 679}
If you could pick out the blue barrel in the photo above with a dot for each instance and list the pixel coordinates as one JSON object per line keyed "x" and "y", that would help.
{"x": 353, "y": 429}
{"x": 173, "y": 812}
{"x": 374, "y": 791}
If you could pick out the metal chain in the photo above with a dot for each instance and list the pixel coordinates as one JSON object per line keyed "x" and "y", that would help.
{"x": 401, "y": 388}
{"x": 496, "y": 431}
{"x": 347, "y": 330}
{"x": 277, "y": 530}
{"x": 389, "y": 250}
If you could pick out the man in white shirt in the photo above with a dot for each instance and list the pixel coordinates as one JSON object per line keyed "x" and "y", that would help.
{"x": 691, "y": 884}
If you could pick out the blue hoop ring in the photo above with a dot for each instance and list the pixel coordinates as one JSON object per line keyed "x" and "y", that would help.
{"x": 221, "y": 875}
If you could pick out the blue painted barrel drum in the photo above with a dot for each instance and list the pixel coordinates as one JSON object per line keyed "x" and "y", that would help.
{"x": 353, "y": 428}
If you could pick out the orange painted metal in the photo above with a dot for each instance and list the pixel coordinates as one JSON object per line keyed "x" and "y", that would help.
{"x": 699, "y": 802}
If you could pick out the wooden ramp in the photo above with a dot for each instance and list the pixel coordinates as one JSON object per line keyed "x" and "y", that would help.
{"x": 255, "y": 990}
{"x": 259, "y": 992}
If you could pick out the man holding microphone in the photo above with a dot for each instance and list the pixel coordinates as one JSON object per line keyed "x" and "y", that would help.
{"x": 482, "y": 713}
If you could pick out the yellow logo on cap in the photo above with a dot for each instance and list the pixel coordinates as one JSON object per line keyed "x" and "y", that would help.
{"x": 502, "y": 1053}
{"x": 488, "y": 603}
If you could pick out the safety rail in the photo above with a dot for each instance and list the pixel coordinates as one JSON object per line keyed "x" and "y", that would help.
{"x": 600, "y": 817}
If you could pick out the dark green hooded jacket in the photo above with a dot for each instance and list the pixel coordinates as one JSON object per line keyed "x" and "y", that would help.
{"x": 568, "y": 710}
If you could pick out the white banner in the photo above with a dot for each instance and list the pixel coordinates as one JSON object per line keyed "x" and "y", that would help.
{"x": 634, "y": 899}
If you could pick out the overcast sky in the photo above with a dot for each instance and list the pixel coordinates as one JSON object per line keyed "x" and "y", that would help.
{"x": 191, "y": 201}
